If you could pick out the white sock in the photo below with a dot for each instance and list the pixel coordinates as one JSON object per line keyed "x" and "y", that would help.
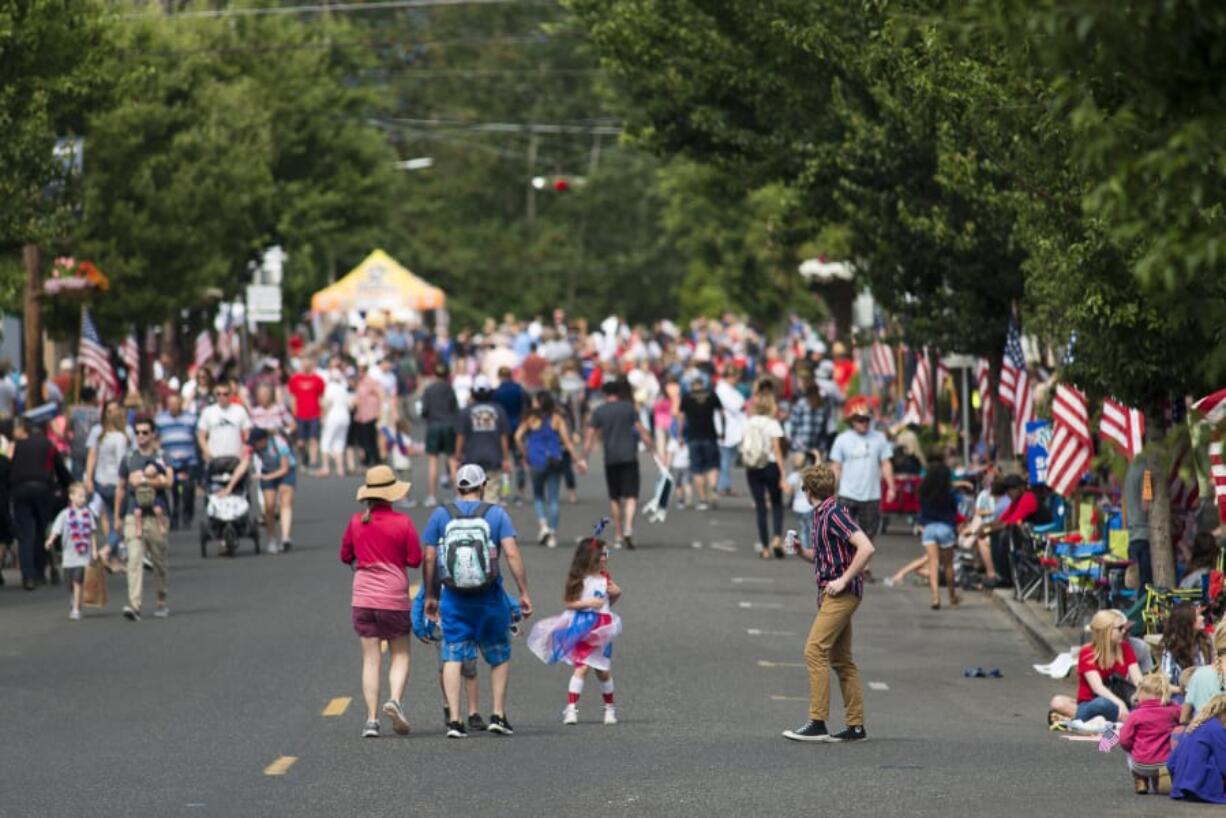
{"x": 606, "y": 691}
{"x": 574, "y": 689}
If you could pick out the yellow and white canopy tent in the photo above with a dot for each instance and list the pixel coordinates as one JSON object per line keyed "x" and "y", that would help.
{"x": 379, "y": 283}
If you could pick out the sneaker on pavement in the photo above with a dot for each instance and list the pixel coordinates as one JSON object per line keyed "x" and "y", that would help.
{"x": 74, "y": 615}
{"x": 543, "y": 536}
{"x": 147, "y": 563}
{"x": 854, "y": 732}
{"x": 702, "y": 507}
{"x": 811, "y": 730}
{"x": 391, "y": 709}
{"x": 500, "y": 725}
{"x": 371, "y": 730}
{"x": 617, "y": 544}
{"x": 286, "y": 545}
{"x": 131, "y": 614}
{"x": 570, "y": 714}
{"x": 629, "y": 541}
{"x": 552, "y": 541}
{"x": 455, "y": 729}
{"x": 161, "y": 612}
{"x": 610, "y": 715}
{"x": 430, "y": 502}
{"x": 476, "y": 723}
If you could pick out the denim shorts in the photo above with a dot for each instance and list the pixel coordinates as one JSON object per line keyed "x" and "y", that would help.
{"x": 704, "y": 456}
{"x": 308, "y": 429}
{"x": 290, "y": 478}
{"x": 1098, "y": 706}
{"x": 472, "y": 623}
{"x": 940, "y": 533}
{"x": 468, "y": 668}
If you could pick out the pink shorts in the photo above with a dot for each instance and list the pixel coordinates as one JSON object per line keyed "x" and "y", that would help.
{"x": 379, "y": 623}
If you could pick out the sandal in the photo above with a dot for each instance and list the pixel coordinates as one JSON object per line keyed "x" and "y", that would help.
{"x": 764, "y": 554}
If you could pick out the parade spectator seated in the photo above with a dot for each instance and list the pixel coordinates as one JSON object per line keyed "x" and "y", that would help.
{"x": 1198, "y": 763}
{"x": 1207, "y": 681}
{"x": 1185, "y": 645}
{"x": 1107, "y": 673}
{"x": 1205, "y": 551}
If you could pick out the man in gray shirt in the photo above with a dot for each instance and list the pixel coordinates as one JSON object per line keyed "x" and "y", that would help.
{"x": 441, "y": 411}
{"x": 620, "y": 431}
{"x": 484, "y": 437}
{"x": 1136, "y": 511}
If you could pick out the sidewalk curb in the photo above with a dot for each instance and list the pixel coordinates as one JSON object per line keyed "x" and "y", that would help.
{"x": 1047, "y": 638}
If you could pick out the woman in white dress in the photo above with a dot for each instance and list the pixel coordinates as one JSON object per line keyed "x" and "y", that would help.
{"x": 337, "y": 403}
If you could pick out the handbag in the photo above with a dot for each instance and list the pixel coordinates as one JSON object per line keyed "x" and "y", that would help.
{"x": 1121, "y": 688}
{"x": 93, "y": 590}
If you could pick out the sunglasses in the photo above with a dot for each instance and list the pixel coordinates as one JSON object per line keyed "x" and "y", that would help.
{"x": 143, "y": 432}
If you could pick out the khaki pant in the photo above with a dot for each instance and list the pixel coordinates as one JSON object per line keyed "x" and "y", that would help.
{"x": 151, "y": 543}
{"x": 829, "y": 645}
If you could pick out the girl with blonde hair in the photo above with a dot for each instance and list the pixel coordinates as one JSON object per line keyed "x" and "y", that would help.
{"x": 1209, "y": 680}
{"x": 1146, "y": 735}
{"x": 1107, "y": 672}
{"x": 762, "y": 454}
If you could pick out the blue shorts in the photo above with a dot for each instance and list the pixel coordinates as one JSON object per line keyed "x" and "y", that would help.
{"x": 290, "y": 478}
{"x": 480, "y": 622}
{"x": 940, "y": 533}
{"x": 704, "y": 456}
{"x": 308, "y": 429}
{"x": 1098, "y": 706}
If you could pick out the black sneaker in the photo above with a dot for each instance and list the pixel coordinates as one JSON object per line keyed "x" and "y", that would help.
{"x": 131, "y": 614}
{"x": 476, "y": 723}
{"x": 811, "y": 730}
{"x": 629, "y": 541}
{"x": 286, "y": 545}
{"x": 500, "y": 725}
{"x": 455, "y": 729}
{"x": 853, "y": 732}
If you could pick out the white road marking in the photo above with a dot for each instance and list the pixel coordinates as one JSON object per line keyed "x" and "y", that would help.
{"x": 774, "y": 605}
{"x": 789, "y": 699}
{"x": 878, "y": 686}
{"x": 696, "y": 544}
{"x": 757, "y": 632}
{"x": 748, "y": 580}
{"x": 724, "y": 545}
{"x": 768, "y": 663}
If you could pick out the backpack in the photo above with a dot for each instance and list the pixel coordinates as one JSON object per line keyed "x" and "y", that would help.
{"x": 467, "y": 553}
{"x": 543, "y": 446}
{"x": 756, "y": 446}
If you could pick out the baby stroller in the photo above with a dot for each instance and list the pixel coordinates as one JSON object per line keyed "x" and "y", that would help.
{"x": 231, "y": 517}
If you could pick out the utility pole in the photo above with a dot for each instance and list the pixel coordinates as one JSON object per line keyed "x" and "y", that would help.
{"x": 32, "y": 323}
{"x": 533, "y": 144}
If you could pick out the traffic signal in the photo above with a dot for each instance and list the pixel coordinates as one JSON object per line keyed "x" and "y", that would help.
{"x": 559, "y": 183}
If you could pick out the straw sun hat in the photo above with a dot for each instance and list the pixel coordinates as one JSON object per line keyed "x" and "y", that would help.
{"x": 381, "y": 484}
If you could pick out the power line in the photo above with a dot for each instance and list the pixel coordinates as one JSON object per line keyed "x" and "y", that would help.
{"x": 362, "y": 43}
{"x": 507, "y": 127}
{"x": 319, "y": 8}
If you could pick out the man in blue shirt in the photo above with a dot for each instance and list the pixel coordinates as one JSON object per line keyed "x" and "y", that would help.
{"x": 513, "y": 398}
{"x": 476, "y": 620}
{"x": 177, "y": 431}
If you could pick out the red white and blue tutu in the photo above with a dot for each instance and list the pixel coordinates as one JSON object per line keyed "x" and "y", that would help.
{"x": 579, "y": 637}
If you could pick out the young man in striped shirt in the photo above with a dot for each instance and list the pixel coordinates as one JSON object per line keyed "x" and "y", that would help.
{"x": 840, "y": 552}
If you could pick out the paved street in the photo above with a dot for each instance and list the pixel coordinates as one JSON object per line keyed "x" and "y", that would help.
{"x": 183, "y": 717}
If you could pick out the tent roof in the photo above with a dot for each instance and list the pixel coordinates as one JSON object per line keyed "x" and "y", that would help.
{"x": 378, "y": 283}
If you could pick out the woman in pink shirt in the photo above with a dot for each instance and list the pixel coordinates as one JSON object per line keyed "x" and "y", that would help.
{"x": 379, "y": 544}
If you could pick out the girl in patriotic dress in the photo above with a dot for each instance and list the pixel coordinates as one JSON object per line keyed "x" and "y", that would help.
{"x": 583, "y": 634}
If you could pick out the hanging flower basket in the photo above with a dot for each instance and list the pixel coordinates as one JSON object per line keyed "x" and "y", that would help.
{"x": 69, "y": 277}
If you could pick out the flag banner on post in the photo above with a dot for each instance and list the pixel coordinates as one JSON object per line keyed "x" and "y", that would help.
{"x": 983, "y": 379}
{"x": 204, "y": 350}
{"x": 129, "y": 353}
{"x": 1023, "y": 409}
{"x": 881, "y": 363}
{"x": 95, "y": 359}
{"x": 1012, "y": 367}
{"x": 1123, "y": 426}
{"x": 1213, "y": 407}
{"x": 1071, "y": 445}
{"x": 1036, "y": 443}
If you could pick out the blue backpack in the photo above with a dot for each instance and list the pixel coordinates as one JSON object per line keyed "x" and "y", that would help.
{"x": 544, "y": 447}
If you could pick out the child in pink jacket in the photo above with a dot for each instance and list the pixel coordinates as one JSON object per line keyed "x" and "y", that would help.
{"x": 1146, "y": 735}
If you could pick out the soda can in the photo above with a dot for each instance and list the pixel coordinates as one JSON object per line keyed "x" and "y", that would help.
{"x": 791, "y": 541}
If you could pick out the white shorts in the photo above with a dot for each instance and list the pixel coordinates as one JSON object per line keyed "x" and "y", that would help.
{"x": 332, "y": 440}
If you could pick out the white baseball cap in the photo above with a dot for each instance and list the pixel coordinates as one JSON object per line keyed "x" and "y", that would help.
{"x": 482, "y": 383}
{"x": 469, "y": 476}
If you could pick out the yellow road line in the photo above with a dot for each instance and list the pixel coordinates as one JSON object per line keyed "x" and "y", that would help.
{"x": 337, "y": 706}
{"x": 280, "y": 766}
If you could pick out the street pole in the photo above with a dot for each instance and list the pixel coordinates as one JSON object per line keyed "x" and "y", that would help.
{"x": 32, "y": 258}
{"x": 531, "y": 205}
{"x": 966, "y": 417}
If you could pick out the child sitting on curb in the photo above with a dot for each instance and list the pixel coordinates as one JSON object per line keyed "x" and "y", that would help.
{"x": 1146, "y": 735}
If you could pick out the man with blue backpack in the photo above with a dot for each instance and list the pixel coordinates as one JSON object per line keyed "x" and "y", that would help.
{"x": 464, "y": 542}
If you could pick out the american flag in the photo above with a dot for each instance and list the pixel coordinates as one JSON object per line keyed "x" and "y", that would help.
{"x": 1023, "y": 410}
{"x": 1213, "y": 407}
{"x": 129, "y": 353}
{"x": 881, "y": 362}
{"x": 921, "y": 396}
{"x": 1109, "y": 740}
{"x": 95, "y": 358}
{"x": 1183, "y": 495}
{"x": 983, "y": 377}
{"x": 1123, "y": 426}
{"x": 1012, "y": 367}
{"x": 1071, "y": 445}
{"x": 204, "y": 350}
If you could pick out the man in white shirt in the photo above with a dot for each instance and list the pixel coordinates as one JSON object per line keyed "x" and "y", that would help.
{"x": 223, "y": 426}
{"x": 733, "y": 431}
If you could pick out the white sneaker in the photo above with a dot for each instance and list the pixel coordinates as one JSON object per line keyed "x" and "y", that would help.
{"x": 431, "y": 502}
{"x": 610, "y": 715}
{"x": 552, "y": 542}
{"x": 74, "y": 615}
{"x": 570, "y": 715}
{"x": 543, "y": 536}
{"x": 703, "y": 507}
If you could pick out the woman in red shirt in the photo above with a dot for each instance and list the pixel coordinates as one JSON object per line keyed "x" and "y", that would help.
{"x": 1107, "y": 655}
{"x": 379, "y": 544}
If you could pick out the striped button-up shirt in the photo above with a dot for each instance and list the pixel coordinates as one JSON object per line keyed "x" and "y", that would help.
{"x": 833, "y": 528}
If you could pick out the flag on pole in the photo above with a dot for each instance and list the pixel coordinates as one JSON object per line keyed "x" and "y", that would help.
{"x": 881, "y": 362}
{"x": 1213, "y": 407}
{"x": 1012, "y": 367}
{"x": 1023, "y": 409}
{"x": 204, "y": 349}
{"x": 920, "y": 394}
{"x": 95, "y": 358}
{"x": 987, "y": 406}
{"x": 129, "y": 353}
{"x": 1071, "y": 446}
{"x": 1123, "y": 426}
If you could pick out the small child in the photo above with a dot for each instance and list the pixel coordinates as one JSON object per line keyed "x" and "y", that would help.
{"x": 149, "y": 499}
{"x": 801, "y": 507}
{"x": 679, "y": 463}
{"x": 583, "y": 635}
{"x": 1146, "y": 735}
{"x": 429, "y": 633}
{"x": 77, "y": 527}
